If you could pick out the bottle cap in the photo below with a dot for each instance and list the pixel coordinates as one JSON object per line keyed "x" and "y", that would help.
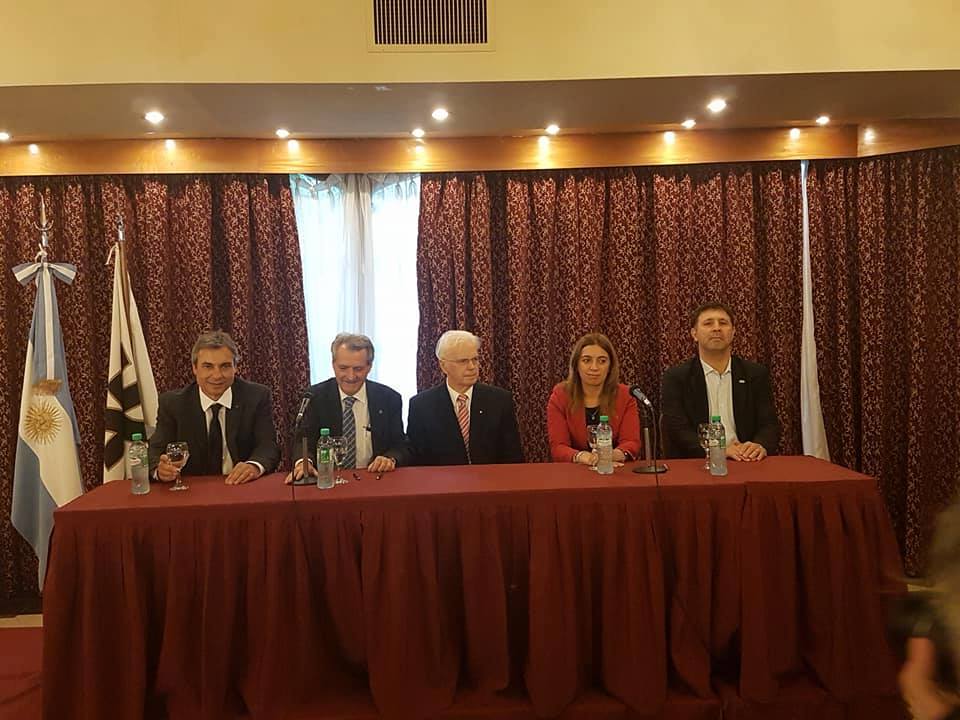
{"x": 715, "y": 418}
{"x": 604, "y": 418}
{"x": 136, "y": 437}
{"x": 324, "y": 432}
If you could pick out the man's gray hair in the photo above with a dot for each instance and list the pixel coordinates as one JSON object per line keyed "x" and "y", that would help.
{"x": 212, "y": 340}
{"x": 451, "y": 338}
{"x": 353, "y": 343}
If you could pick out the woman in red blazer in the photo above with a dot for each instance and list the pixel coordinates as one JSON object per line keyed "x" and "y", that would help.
{"x": 592, "y": 389}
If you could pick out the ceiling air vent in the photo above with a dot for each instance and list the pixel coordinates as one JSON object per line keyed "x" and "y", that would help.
{"x": 430, "y": 24}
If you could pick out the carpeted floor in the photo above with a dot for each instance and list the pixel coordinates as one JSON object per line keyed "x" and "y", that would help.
{"x": 20, "y": 652}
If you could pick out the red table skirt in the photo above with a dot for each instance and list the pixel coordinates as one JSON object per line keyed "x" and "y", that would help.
{"x": 251, "y": 601}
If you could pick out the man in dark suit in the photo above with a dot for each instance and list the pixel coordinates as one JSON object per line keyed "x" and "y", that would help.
{"x": 462, "y": 421}
{"x": 368, "y": 415}
{"x": 716, "y": 382}
{"x": 226, "y": 421}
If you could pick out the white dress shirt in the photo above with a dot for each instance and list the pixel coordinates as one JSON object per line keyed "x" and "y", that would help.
{"x": 720, "y": 398}
{"x": 454, "y": 395}
{"x": 226, "y": 401}
{"x": 361, "y": 419}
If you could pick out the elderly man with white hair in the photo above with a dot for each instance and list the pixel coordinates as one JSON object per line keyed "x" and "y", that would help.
{"x": 462, "y": 421}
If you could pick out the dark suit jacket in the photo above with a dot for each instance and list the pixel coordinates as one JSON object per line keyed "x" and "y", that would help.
{"x": 386, "y": 420}
{"x": 249, "y": 427}
{"x": 434, "y": 432}
{"x": 685, "y": 405}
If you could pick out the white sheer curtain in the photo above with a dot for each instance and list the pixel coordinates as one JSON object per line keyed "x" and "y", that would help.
{"x": 358, "y": 245}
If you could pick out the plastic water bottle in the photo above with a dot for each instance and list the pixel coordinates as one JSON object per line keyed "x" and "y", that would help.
{"x": 139, "y": 464}
{"x": 324, "y": 460}
{"x": 718, "y": 447}
{"x": 604, "y": 447}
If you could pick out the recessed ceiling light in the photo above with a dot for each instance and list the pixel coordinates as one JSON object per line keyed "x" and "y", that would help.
{"x": 794, "y": 133}
{"x": 4, "y": 136}
{"x": 717, "y": 105}
{"x": 440, "y": 114}
{"x": 418, "y": 132}
{"x": 689, "y": 123}
{"x": 669, "y": 137}
{"x": 170, "y": 143}
{"x": 869, "y": 135}
{"x": 283, "y": 133}
{"x": 154, "y": 117}
{"x": 32, "y": 147}
{"x": 293, "y": 145}
{"x": 552, "y": 129}
{"x": 823, "y": 120}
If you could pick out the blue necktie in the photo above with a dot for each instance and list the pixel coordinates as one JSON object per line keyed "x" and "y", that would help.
{"x": 349, "y": 433}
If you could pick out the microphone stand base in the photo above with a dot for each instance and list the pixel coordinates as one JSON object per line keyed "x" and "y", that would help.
{"x": 650, "y": 469}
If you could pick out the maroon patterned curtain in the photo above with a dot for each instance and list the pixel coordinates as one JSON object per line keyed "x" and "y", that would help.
{"x": 203, "y": 252}
{"x": 884, "y": 238}
{"x": 530, "y": 261}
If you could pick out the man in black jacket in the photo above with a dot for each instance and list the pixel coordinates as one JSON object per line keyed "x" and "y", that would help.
{"x": 716, "y": 382}
{"x": 462, "y": 421}
{"x": 226, "y": 421}
{"x": 368, "y": 415}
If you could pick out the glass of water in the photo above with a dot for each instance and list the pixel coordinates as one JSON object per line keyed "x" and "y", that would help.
{"x": 178, "y": 453}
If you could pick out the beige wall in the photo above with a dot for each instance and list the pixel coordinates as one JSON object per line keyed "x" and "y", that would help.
{"x": 96, "y": 41}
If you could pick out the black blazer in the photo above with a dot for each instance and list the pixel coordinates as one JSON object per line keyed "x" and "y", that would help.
{"x": 685, "y": 405}
{"x": 326, "y": 411}
{"x": 249, "y": 427}
{"x": 434, "y": 432}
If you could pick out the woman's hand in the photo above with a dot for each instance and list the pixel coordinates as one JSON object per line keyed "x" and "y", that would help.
{"x": 619, "y": 456}
{"x": 585, "y": 457}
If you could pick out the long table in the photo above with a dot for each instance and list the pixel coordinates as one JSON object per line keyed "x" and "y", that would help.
{"x": 249, "y": 601}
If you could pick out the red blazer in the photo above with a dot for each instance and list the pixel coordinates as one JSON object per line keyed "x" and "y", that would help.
{"x": 568, "y": 430}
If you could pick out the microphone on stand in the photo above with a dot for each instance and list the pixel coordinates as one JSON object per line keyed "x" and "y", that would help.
{"x": 649, "y": 447}
{"x": 304, "y": 454}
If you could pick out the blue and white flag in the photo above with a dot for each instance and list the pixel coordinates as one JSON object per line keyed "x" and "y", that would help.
{"x": 46, "y": 473}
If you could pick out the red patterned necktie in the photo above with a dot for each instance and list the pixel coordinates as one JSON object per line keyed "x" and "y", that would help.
{"x": 463, "y": 417}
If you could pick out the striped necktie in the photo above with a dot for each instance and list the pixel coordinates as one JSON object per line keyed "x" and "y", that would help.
{"x": 349, "y": 433}
{"x": 463, "y": 417}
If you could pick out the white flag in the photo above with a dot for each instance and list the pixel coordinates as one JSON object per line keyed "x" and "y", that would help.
{"x": 131, "y": 390}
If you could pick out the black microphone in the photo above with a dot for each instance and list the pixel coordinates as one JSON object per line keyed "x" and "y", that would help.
{"x": 649, "y": 445}
{"x": 304, "y": 402}
{"x": 304, "y": 452}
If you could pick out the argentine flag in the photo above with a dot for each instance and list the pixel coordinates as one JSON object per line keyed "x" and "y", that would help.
{"x": 46, "y": 473}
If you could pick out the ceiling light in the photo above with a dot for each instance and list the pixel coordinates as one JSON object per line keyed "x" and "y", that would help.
{"x": 154, "y": 117}
{"x": 170, "y": 143}
{"x": 418, "y": 132}
{"x": 4, "y": 136}
{"x": 794, "y": 133}
{"x": 552, "y": 129}
{"x": 283, "y": 133}
{"x": 32, "y": 147}
{"x": 823, "y": 120}
{"x": 669, "y": 137}
{"x": 717, "y": 105}
{"x": 869, "y": 135}
{"x": 293, "y": 145}
{"x": 440, "y": 114}
{"x": 689, "y": 123}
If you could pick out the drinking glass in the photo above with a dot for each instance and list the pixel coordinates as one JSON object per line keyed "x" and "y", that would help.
{"x": 338, "y": 448}
{"x": 178, "y": 453}
{"x": 704, "y": 432}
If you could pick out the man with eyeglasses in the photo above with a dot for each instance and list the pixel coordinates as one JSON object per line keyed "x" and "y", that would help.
{"x": 462, "y": 421}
